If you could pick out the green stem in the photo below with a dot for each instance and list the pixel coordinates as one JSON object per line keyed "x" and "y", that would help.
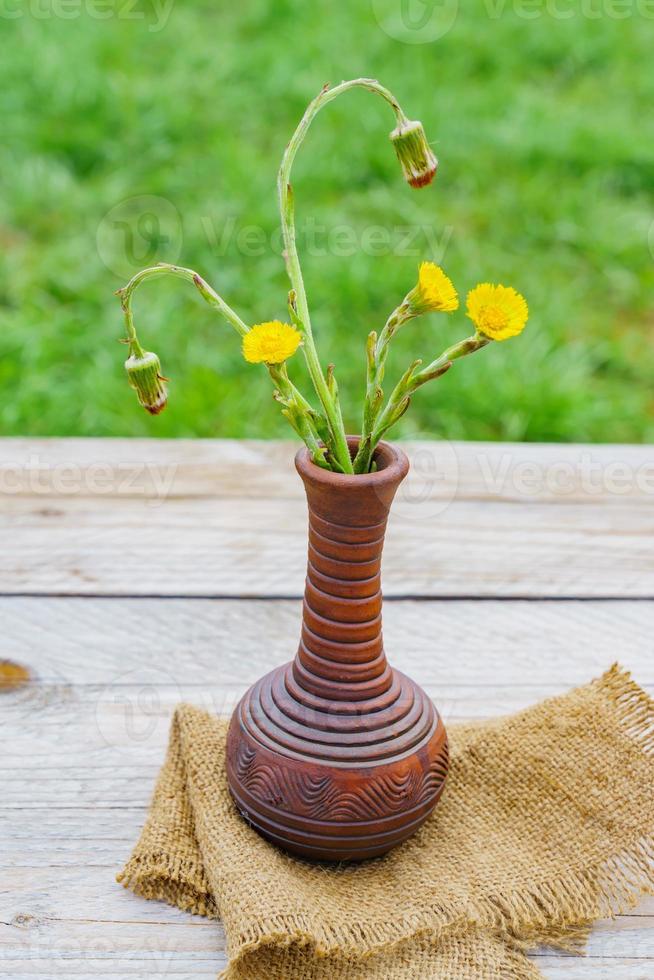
{"x": 464, "y": 347}
{"x": 303, "y": 419}
{"x": 411, "y": 380}
{"x": 299, "y": 413}
{"x": 205, "y": 290}
{"x": 377, "y": 354}
{"x": 329, "y": 403}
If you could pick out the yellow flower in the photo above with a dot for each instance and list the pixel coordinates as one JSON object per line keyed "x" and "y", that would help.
{"x": 271, "y": 342}
{"x": 498, "y": 312}
{"x": 434, "y": 292}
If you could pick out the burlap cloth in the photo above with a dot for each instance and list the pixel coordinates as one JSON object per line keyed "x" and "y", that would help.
{"x": 547, "y": 824}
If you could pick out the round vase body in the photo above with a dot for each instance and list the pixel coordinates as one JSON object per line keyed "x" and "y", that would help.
{"x": 337, "y": 756}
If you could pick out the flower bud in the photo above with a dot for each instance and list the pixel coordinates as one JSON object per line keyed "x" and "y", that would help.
{"x": 144, "y": 375}
{"x": 414, "y": 153}
{"x": 433, "y": 293}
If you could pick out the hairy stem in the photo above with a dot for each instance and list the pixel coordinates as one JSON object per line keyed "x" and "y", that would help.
{"x": 205, "y": 290}
{"x": 410, "y": 381}
{"x": 377, "y": 352}
{"x": 329, "y": 403}
{"x": 304, "y": 419}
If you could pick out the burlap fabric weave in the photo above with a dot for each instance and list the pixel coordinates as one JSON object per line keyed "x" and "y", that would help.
{"x": 547, "y": 824}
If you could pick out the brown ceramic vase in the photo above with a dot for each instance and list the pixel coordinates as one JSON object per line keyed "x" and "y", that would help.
{"x": 337, "y": 756}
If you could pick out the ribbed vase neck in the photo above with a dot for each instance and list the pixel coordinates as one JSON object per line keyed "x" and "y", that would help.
{"x": 341, "y": 653}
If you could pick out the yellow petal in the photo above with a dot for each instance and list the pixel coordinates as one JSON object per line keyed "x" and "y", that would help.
{"x": 271, "y": 342}
{"x": 435, "y": 291}
{"x": 498, "y": 312}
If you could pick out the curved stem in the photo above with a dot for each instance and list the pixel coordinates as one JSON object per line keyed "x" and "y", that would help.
{"x": 287, "y": 211}
{"x": 301, "y": 415}
{"x": 203, "y": 287}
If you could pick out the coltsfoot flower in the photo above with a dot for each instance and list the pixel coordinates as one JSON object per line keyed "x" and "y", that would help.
{"x": 498, "y": 312}
{"x": 414, "y": 153}
{"x": 271, "y": 342}
{"x": 434, "y": 291}
{"x": 145, "y": 377}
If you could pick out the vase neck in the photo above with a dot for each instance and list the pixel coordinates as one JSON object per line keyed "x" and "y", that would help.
{"x": 341, "y": 653}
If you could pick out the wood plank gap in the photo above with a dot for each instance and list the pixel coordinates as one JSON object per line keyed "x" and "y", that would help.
{"x": 419, "y": 597}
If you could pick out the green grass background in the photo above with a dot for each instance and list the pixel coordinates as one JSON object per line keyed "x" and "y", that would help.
{"x": 545, "y": 132}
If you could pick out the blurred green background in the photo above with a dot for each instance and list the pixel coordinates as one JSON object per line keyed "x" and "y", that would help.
{"x": 134, "y": 133}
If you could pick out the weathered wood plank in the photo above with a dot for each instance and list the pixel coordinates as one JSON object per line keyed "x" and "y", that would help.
{"x": 228, "y": 518}
{"x": 43, "y": 838}
{"x": 601, "y": 474}
{"x": 109, "y": 752}
{"x": 177, "y": 941}
{"x": 256, "y": 548}
{"x": 567, "y": 968}
{"x": 64, "y": 921}
{"x": 103, "y": 752}
{"x": 109, "y": 673}
{"x": 51, "y": 903}
{"x": 553, "y": 645}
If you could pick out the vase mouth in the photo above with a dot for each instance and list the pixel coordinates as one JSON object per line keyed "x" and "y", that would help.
{"x": 392, "y": 467}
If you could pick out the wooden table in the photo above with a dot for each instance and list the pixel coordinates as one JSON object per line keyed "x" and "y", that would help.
{"x": 134, "y": 574}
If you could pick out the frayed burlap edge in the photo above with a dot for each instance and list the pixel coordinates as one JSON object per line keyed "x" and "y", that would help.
{"x": 557, "y": 912}
{"x": 154, "y": 881}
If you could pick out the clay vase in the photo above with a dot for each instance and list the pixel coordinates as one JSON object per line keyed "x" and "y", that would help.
{"x": 337, "y": 756}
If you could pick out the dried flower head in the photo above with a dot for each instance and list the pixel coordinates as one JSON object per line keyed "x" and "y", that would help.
{"x": 498, "y": 312}
{"x": 414, "y": 153}
{"x": 271, "y": 342}
{"x": 434, "y": 291}
{"x": 144, "y": 375}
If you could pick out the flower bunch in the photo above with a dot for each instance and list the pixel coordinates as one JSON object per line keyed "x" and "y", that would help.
{"x": 497, "y": 313}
